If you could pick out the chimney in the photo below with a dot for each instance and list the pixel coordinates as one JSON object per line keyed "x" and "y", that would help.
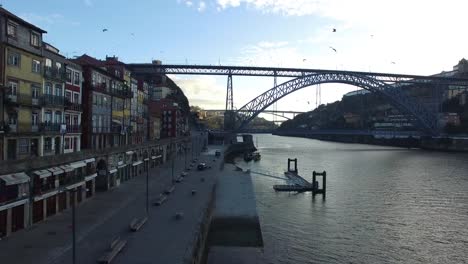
{"x": 156, "y": 62}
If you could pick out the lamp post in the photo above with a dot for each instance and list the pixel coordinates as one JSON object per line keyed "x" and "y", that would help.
{"x": 74, "y": 225}
{"x": 185, "y": 152}
{"x": 147, "y": 188}
{"x": 172, "y": 156}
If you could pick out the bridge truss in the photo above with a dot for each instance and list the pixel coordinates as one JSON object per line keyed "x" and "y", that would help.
{"x": 389, "y": 85}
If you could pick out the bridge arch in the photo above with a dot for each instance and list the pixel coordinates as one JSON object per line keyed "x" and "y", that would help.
{"x": 424, "y": 119}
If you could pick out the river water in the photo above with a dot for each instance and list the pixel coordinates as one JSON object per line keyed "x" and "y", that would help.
{"x": 383, "y": 204}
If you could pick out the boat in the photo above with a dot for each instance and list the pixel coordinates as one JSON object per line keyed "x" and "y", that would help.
{"x": 248, "y": 156}
{"x": 256, "y": 156}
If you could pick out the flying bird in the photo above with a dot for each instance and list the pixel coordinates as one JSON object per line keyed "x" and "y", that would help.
{"x": 303, "y": 60}
{"x": 334, "y": 30}
{"x": 133, "y": 34}
{"x": 393, "y": 62}
{"x": 104, "y": 30}
{"x": 333, "y": 48}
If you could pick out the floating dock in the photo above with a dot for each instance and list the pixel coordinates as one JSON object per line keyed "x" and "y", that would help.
{"x": 301, "y": 184}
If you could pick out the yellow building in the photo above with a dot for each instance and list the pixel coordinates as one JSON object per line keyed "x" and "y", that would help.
{"x": 23, "y": 79}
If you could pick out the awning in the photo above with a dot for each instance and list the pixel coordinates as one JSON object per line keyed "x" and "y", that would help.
{"x": 78, "y": 164}
{"x": 137, "y": 163}
{"x": 129, "y": 152}
{"x": 113, "y": 171}
{"x": 153, "y": 157}
{"x": 56, "y": 170}
{"x": 43, "y": 173}
{"x": 146, "y": 159}
{"x": 15, "y": 178}
{"x": 122, "y": 166}
{"x": 67, "y": 168}
{"x": 90, "y": 160}
{"x": 120, "y": 163}
{"x": 156, "y": 157}
{"x": 90, "y": 177}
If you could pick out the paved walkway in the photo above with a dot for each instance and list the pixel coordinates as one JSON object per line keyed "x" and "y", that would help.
{"x": 108, "y": 215}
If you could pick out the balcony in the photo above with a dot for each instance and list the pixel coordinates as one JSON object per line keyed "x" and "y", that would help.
{"x": 55, "y": 73}
{"x": 50, "y": 127}
{"x": 55, "y": 100}
{"x": 21, "y": 127}
{"x": 73, "y": 106}
{"x": 101, "y": 129}
{"x": 122, "y": 93}
{"x": 73, "y": 128}
{"x": 21, "y": 99}
{"x": 102, "y": 87}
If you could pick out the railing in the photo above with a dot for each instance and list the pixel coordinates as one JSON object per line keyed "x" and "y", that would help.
{"x": 73, "y": 106}
{"x": 55, "y": 73}
{"x": 21, "y": 127}
{"x": 50, "y": 127}
{"x": 21, "y": 99}
{"x": 101, "y": 129}
{"x": 49, "y": 99}
{"x": 73, "y": 128}
{"x": 98, "y": 86}
{"x": 122, "y": 93}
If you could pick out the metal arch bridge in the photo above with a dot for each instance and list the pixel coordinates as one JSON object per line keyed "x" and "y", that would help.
{"x": 389, "y": 85}
{"x": 279, "y": 113}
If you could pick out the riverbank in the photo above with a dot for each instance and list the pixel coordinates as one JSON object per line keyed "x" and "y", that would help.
{"x": 437, "y": 144}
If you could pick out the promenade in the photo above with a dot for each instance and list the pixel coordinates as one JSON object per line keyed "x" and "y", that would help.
{"x": 108, "y": 215}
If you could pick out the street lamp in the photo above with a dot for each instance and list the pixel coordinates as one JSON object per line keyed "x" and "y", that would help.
{"x": 147, "y": 188}
{"x": 172, "y": 156}
{"x": 73, "y": 191}
{"x": 185, "y": 152}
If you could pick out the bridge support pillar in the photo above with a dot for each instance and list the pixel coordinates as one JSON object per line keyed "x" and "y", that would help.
{"x": 229, "y": 114}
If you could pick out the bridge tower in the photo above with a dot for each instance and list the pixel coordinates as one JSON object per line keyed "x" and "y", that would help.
{"x": 229, "y": 114}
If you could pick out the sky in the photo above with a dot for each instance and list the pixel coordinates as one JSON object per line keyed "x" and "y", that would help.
{"x": 397, "y": 36}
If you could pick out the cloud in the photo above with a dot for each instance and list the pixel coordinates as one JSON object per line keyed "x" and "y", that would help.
{"x": 203, "y": 91}
{"x": 42, "y": 19}
{"x": 201, "y": 6}
{"x": 88, "y": 3}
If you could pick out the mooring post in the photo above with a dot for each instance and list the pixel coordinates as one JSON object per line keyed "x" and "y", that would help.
{"x": 314, "y": 184}
{"x": 289, "y": 163}
{"x": 295, "y": 165}
{"x": 324, "y": 182}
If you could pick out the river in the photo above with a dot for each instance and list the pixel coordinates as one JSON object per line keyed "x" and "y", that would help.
{"x": 383, "y": 204}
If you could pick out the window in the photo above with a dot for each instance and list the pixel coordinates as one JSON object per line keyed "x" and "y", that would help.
{"x": 69, "y": 76}
{"x": 67, "y": 143}
{"x": 36, "y": 66}
{"x": 12, "y": 118}
{"x": 48, "y": 63}
{"x": 34, "y": 39}
{"x": 67, "y": 120}
{"x": 94, "y": 121}
{"x": 58, "y": 90}
{"x": 58, "y": 117}
{"x": 48, "y": 88}
{"x": 34, "y": 119}
{"x": 12, "y": 30}
{"x": 58, "y": 65}
{"x": 76, "y": 98}
{"x": 14, "y": 59}
{"x": 68, "y": 95}
{"x": 47, "y": 144}
{"x": 76, "y": 78}
{"x": 23, "y": 145}
{"x": 13, "y": 87}
{"x": 48, "y": 116}
{"x": 35, "y": 90}
{"x": 75, "y": 120}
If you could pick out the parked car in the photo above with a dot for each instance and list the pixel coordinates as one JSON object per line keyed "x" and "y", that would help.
{"x": 201, "y": 166}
